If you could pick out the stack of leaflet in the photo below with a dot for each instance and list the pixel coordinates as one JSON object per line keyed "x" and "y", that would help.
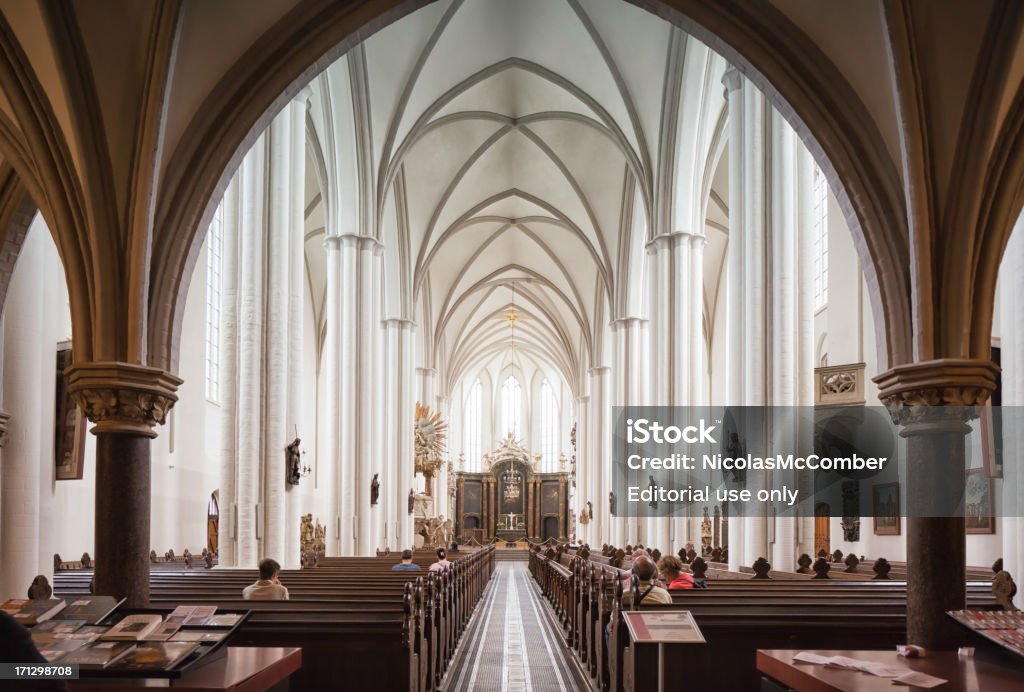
{"x": 899, "y": 673}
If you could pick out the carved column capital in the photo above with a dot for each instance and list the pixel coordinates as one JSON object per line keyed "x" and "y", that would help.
{"x": 5, "y": 418}
{"x": 731, "y": 80}
{"x": 937, "y": 394}
{"x": 123, "y": 398}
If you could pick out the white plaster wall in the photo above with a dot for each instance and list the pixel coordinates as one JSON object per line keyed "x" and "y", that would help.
{"x": 59, "y": 516}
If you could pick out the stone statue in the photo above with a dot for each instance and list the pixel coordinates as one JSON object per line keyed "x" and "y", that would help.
{"x": 611, "y": 502}
{"x": 412, "y": 500}
{"x": 306, "y": 533}
{"x": 319, "y": 538}
{"x": 293, "y": 459}
{"x": 735, "y": 450}
{"x": 653, "y": 504}
{"x": 586, "y": 514}
{"x": 705, "y": 530}
{"x": 374, "y": 489}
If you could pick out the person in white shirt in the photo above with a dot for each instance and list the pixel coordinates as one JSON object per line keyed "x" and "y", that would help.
{"x": 442, "y": 561}
{"x": 268, "y": 587}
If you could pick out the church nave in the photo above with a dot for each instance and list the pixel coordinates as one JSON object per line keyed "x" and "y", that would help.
{"x": 513, "y": 642}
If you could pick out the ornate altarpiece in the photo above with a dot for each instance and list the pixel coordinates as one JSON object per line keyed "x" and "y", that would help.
{"x": 511, "y": 499}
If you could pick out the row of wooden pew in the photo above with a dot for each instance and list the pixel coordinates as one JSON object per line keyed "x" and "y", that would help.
{"x": 361, "y": 625}
{"x": 736, "y": 614}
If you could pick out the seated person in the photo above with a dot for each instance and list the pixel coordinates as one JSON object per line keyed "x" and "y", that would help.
{"x": 671, "y": 569}
{"x": 647, "y": 572}
{"x": 442, "y": 561}
{"x": 454, "y": 548}
{"x": 406, "y": 562}
{"x": 17, "y": 647}
{"x": 268, "y": 587}
{"x": 627, "y": 574}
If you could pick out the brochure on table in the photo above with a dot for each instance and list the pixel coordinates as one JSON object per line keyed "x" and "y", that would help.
{"x": 134, "y": 642}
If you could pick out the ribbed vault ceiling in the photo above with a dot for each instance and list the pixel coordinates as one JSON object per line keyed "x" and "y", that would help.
{"x": 506, "y": 152}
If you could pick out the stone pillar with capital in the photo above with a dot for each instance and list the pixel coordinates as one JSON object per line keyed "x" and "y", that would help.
{"x": 359, "y": 327}
{"x": 677, "y": 348}
{"x": 932, "y": 402}
{"x": 600, "y": 452}
{"x": 631, "y": 378}
{"x": 125, "y": 402}
{"x": 399, "y": 440}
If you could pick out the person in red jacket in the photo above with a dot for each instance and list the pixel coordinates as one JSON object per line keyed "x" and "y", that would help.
{"x": 671, "y": 569}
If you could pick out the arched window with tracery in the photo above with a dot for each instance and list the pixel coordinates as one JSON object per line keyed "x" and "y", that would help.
{"x": 511, "y": 407}
{"x": 473, "y": 423}
{"x": 548, "y": 427}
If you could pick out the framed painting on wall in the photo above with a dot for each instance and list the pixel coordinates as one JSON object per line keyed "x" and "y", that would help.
{"x": 978, "y": 510}
{"x": 69, "y": 424}
{"x": 885, "y": 506}
{"x": 991, "y": 429}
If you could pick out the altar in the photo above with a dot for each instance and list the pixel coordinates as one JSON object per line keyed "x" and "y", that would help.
{"x": 510, "y": 499}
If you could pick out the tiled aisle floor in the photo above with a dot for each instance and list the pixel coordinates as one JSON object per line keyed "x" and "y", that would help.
{"x": 511, "y": 644}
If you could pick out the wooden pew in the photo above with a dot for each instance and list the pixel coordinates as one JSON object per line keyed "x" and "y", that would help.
{"x": 360, "y": 624}
{"x": 739, "y": 615}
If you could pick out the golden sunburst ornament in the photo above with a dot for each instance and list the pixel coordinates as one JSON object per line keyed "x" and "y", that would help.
{"x": 430, "y": 432}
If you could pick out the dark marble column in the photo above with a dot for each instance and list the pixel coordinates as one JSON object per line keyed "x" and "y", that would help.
{"x": 126, "y": 402}
{"x": 122, "y": 517}
{"x": 933, "y": 401}
{"x": 936, "y": 545}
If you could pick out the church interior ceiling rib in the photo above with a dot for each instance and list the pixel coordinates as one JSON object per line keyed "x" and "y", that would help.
{"x": 503, "y": 171}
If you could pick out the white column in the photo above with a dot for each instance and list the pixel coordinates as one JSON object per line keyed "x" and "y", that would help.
{"x": 378, "y": 455}
{"x": 249, "y": 345}
{"x": 785, "y": 311}
{"x": 805, "y": 360}
{"x": 746, "y": 347}
{"x": 1011, "y": 305}
{"x": 23, "y": 383}
{"x": 299, "y": 500}
{"x": 600, "y": 452}
{"x": 676, "y": 377}
{"x": 631, "y": 380}
{"x": 330, "y": 451}
{"x": 358, "y": 326}
{"x": 282, "y": 296}
{"x": 400, "y": 436}
{"x": 584, "y": 466}
{"x": 262, "y": 335}
{"x": 226, "y": 532}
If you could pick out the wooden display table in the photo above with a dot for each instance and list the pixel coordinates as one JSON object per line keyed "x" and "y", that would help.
{"x": 962, "y": 674}
{"x": 240, "y": 669}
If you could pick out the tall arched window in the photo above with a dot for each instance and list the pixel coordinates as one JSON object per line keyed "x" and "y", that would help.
{"x": 820, "y": 239}
{"x": 473, "y": 419}
{"x": 214, "y": 244}
{"x": 548, "y": 427}
{"x": 511, "y": 406}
